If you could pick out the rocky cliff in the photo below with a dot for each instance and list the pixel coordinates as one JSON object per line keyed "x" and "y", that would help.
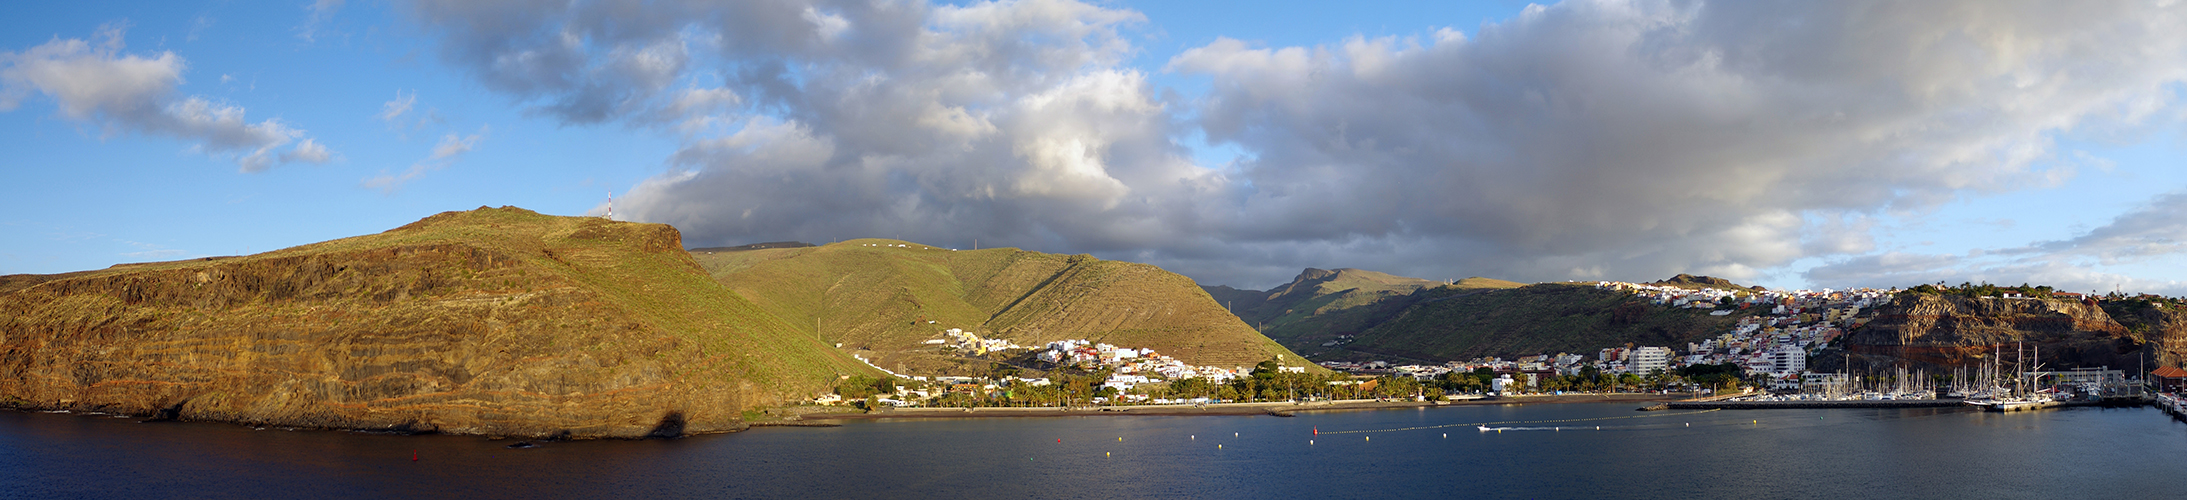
{"x": 494, "y": 321}
{"x": 1931, "y": 331}
{"x": 2162, "y": 324}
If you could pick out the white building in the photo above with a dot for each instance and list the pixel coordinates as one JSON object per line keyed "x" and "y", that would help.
{"x": 1787, "y": 359}
{"x": 1651, "y": 359}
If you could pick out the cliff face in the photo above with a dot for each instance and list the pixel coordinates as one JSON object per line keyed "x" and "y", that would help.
{"x": 2163, "y": 326}
{"x": 1945, "y": 331}
{"x": 496, "y": 321}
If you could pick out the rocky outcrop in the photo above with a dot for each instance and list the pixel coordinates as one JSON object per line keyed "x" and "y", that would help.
{"x": 2163, "y": 325}
{"x": 1926, "y": 330}
{"x": 1689, "y": 280}
{"x": 495, "y": 322}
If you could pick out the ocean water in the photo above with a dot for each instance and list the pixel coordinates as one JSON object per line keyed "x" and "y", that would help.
{"x": 1535, "y": 451}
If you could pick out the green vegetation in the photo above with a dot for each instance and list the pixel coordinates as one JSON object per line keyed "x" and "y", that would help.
{"x": 1452, "y": 324}
{"x": 883, "y": 299}
{"x": 501, "y": 309}
{"x": 1356, "y": 315}
{"x": 1321, "y": 305}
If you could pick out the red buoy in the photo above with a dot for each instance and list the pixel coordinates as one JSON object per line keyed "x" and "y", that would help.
{"x": 413, "y": 455}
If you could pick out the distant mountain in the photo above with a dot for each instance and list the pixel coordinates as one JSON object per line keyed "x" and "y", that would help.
{"x": 1320, "y": 305}
{"x": 1355, "y": 314}
{"x": 885, "y": 298}
{"x": 1544, "y": 318}
{"x": 496, "y": 321}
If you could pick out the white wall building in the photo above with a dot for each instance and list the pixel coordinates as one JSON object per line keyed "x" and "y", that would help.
{"x": 1648, "y": 360}
{"x": 1787, "y": 359}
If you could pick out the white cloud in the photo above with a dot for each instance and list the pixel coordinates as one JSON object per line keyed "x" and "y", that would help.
{"x": 198, "y": 25}
{"x": 1588, "y": 139}
{"x": 317, "y": 15}
{"x": 2154, "y": 232}
{"x": 444, "y": 154}
{"x": 309, "y": 151}
{"x": 1656, "y": 137}
{"x": 450, "y": 145}
{"x": 396, "y": 108}
{"x": 132, "y": 93}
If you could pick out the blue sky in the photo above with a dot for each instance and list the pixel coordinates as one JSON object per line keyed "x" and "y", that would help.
{"x": 1789, "y": 145}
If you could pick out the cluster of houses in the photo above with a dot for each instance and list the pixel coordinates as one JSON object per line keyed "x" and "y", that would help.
{"x": 1130, "y": 367}
{"x": 1824, "y": 305}
{"x": 963, "y": 341}
{"x": 1775, "y": 342}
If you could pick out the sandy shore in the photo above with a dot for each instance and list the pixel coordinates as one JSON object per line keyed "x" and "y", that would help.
{"x": 1277, "y": 409}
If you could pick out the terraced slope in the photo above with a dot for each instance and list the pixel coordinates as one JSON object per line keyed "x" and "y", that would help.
{"x": 883, "y": 298}
{"x": 493, "y": 321}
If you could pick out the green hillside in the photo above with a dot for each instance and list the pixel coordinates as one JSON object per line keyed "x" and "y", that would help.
{"x": 1452, "y": 324}
{"x": 1349, "y": 314}
{"x": 883, "y": 299}
{"x": 491, "y": 321}
{"x": 1320, "y": 305}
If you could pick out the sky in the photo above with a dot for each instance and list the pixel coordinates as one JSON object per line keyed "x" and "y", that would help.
{"x": 1784, "y": 144}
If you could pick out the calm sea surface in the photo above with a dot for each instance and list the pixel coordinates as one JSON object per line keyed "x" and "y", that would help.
{"x": 1915, "y": 453}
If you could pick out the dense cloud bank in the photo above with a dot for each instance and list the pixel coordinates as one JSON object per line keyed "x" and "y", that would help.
{"x": 1590, "y": 139}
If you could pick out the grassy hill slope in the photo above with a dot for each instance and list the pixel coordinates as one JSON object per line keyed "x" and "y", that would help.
{"x": 1451, "y": 324}
{"x": 492, "y": 321}
{"x": 1320, "y": 305}
{"x": 883, "y": 298}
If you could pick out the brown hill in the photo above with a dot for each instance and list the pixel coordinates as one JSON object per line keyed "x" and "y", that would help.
{"x": 885, "y": 298}
{"x": 493, "y": 321}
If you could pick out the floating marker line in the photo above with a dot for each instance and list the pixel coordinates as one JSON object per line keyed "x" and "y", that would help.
{"x": 1481, "y": 424}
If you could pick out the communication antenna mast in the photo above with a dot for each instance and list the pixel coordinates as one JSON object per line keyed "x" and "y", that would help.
{"x": 611, "y": 206}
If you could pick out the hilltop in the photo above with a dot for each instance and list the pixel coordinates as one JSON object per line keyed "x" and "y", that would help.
{"x": 883, "y": 299}
{"x": 496, "y": 321}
